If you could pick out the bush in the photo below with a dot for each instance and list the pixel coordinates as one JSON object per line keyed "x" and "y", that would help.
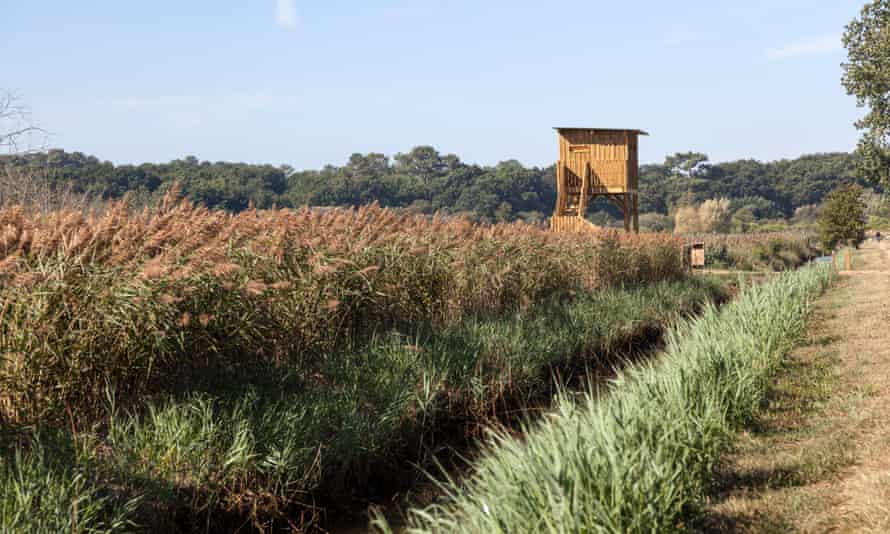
{"x": 842, "y": 219}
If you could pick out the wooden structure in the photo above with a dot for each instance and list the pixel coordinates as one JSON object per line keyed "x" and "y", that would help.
{"x": 596, "y": 162}
{"x": 697, "y": 255}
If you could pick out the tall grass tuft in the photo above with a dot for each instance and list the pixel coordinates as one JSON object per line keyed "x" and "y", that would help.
{"x": 638, "y": 459}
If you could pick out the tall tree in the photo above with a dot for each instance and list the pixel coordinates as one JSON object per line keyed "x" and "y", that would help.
{"x": 867, "y": 76}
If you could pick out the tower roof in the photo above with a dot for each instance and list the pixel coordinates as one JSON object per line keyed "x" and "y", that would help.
{"x": 612, "y": 130}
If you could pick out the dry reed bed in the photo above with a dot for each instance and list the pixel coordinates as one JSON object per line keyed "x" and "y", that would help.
{"x": 775, "y": 251}
{"x": 135, "y": 301}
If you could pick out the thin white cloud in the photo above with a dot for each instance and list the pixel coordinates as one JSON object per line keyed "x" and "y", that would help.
{"x": 286, "y": 14}
{"x": 813, "y": 46}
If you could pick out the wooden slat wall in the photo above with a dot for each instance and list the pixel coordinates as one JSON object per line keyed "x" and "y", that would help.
{"x": 559, "y": 223}
{"x": 611, "y": 155}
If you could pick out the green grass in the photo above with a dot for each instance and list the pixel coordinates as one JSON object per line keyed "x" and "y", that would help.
{"x": 271, "y": 449}
{"x": 45, "y": 489}
{"x": 640, "y": 458}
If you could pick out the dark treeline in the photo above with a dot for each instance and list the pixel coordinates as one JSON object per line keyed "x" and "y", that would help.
{"x": 426, "y": 181}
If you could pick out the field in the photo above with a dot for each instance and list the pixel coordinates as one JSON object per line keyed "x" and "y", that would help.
{"x": 287, "y": 267}
{"x": 179, "y": 369}
{"x": 274, "y": 367}
{"x": 774, "y": 251}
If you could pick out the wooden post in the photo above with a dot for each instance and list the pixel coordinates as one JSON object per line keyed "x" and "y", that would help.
{"x": 636, "y": 213}
{"x": 849, "y": 258}
{"x": 585, "y": 186}
{"x": 627, "y": 212}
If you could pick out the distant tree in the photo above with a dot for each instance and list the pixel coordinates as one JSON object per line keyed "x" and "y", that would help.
{"x": 504, "y": 212}
{"x": 429, "y": 182}
{"x": 426, "y": 163}
{"x": 842, "y": 218}
{"x": 654, "y": 191}
{"x": 867, "y": 76}
{"x": 743, "y": 219}
{"x": 759, "y": 207}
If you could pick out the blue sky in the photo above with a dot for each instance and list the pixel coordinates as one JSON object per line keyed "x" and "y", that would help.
{"x": 308, "y": 82}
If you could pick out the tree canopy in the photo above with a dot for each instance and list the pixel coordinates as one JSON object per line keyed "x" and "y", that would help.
{"x": 842, "y": 219}
{"x": 426, "y": 181}
{"x": 867, "y": 76}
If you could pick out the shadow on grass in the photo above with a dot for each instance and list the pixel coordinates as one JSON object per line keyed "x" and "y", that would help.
{"x": 799, "y": 392}
{"x": 760, "y": 523}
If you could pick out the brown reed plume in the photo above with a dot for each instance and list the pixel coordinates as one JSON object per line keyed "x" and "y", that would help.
{"x": 131, "y": 300}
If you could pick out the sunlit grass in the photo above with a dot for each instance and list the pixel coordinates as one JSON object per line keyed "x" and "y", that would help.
{"x": 638, "y": 459}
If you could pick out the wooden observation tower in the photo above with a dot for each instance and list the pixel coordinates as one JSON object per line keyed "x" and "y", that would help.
{"x": 596, "y": 162}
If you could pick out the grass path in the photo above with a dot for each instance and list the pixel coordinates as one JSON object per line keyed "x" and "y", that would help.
{"x": 819, "y": 459}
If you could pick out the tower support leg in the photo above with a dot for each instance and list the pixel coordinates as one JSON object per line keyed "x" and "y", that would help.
{"x": 627, "y": 214}
{"x": 636, "y": 213}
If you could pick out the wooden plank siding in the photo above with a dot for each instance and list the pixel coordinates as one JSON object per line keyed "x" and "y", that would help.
{"x": 597, "y": 162}
{"x": 560, "y": 223}
{"x": 606, "y": 155}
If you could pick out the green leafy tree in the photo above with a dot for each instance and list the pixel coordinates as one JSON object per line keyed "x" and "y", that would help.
{"x": 867, "y": 76}
{"x": 842, "y": 219}
{"x": 427, "y": 182}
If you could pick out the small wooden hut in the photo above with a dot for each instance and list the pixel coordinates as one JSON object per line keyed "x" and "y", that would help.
{"x": 697, "y": 255}
{"x": 596, "y": 162}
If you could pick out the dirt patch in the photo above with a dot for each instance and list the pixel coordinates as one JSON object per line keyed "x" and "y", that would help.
{"x": 819, "y": 459}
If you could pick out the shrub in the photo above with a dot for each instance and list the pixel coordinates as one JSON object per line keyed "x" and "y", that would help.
{"x": 842, "y": 219}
